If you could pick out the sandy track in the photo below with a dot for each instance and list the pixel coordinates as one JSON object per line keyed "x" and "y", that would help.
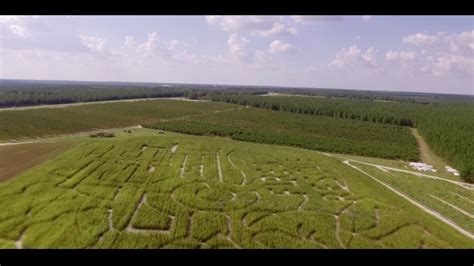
{"x": 219, "y": 170}
{"x": 454, "y": 207}
{"x": 181, "y": 174}
{"x": 417, "y": 204}
{"x": 174, "y": 148}
{"x": 458, "y": 183}
{"x": 244, "y": 180}
{"x": 300, "y": 207}
{"x": 95, "y": 102}
{"x": 19, "y": 242}
{"x": 229, "y": 232}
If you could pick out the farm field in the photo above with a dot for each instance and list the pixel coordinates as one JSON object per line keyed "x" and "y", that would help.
{"x": 311, "y": 132}
{"x": 445, "y": 124}
{"x": 150, "y": 190}
{"x": 22, "y": 124}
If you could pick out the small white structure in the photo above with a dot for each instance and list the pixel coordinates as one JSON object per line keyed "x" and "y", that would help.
{"x": 452, "y": 170}
{"x": 422, "y": 167}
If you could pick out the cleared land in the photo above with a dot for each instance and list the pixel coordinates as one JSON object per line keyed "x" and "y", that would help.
{"x": 429, "y": 157}
{"x": 144, "y": 190}
{"x": 16, "y": 159}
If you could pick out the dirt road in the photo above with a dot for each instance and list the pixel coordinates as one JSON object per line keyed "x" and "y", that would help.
{"x": 382, "y": 167}
{"x": 417, "y": 204}
{"x": 97, "y": 102}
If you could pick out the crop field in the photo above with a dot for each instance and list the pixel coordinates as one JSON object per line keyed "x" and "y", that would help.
{"x": 47, "y": 122}
{"x": 311, "y": 132}
{"x": 446, "y": 126}
{"x": 145, "y": 190}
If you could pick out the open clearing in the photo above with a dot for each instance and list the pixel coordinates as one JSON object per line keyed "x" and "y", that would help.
{"x": 427, "y": 156}
{"x": 15, "y": 159}
{"x": 213, "y": 192}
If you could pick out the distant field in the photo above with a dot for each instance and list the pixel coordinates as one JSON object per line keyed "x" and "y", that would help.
{"x": 54, "y": 121}
{"x": 447, "y": 126}
{"x": 144, "y": 190}
{"x": 311, "y": 132}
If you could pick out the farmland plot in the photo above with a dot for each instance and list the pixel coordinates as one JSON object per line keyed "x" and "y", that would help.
{"x": 176, "y": 191}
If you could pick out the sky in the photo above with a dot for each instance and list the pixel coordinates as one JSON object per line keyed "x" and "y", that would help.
{"x": 401, "y": 53}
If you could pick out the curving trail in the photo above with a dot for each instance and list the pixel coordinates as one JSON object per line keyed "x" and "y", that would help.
{"x": 244, "y": 181}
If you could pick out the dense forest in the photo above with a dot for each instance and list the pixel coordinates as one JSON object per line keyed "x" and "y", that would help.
{"x": 398, "y": 96}
{"x": 447, "y": 127}
{"x": 16, "y": 93}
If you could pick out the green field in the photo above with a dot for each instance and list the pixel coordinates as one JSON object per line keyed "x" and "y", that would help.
{"x": 150, "y": 190}
{"x": 20, "y": 124}
{"x": 452, "y": 201}
{"x": 305, "y": 131}
{"x": 446, "y": 126}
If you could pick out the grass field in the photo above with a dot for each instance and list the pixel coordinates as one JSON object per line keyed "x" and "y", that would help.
{"x": 452, "y": 201}
{"x": 146, "y": 190}
{"x": 21, "y": 124}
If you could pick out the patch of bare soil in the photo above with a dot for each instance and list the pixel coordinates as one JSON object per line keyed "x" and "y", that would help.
{"x": 174, "y": 148}
{"x": 15, "y": 159}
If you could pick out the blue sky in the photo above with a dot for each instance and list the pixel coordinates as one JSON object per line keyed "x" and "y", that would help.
{"x": 407, "y": 53}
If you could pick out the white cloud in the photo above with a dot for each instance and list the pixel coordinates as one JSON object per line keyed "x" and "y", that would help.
{"x": 420, "y": 39}
{"x": 129, "y": 42}
{"x": 95, "y": 44}
{"x": 443, "y": 53}
{"x": 392, "y": 55}
{"x": 277, "y": 29}
{"x": 149, "y": 47}
{"x": 15, "y": 25}
{"x": 20, "y": 31}
{"x": 368, "y": 58}
{"x": 255, "y": 25}
{"x": 452, "y": 63}
{"x": 169, "y": 52}
{"x": 404, "y": 56}
{"x": 366, "y": 18}
{"x": 238, "y": 47}
{"x": 278, "y": 46}
{"x": 345, "y": 57}
{"x": 348, "y": 58}
{"x": 10, "y": 19}
{"x": 316, "y": 19}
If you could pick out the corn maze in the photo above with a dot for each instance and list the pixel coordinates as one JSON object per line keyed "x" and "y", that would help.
{"x": 175, "y": 191}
